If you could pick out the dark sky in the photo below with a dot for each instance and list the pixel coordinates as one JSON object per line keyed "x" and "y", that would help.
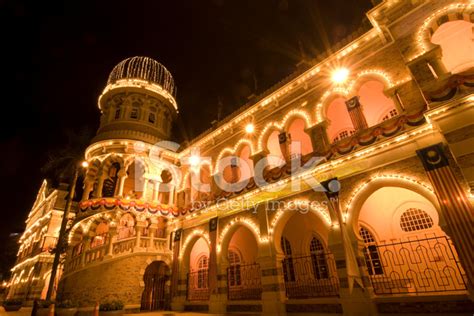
{"x": 56, "y": 58}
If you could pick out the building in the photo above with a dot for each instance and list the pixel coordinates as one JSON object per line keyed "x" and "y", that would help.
{"x": 346, "y": 189}
{"x": 32, "y": 270}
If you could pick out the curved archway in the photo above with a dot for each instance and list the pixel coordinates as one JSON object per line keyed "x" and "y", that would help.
{"x": 339, "y": 121}
{"x": 375, "y": 103}
{"x": 455, "y": 39}
{"x": 300, "y": 141}
{"x": 154, "y": 296}
{"x": 243, "y": 240}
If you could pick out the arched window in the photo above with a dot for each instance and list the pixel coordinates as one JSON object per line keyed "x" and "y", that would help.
{"x": 234, "y": 268}
{"x": 203, "y": 265}
{"x": 371, "y": 252}
{"x": 101, "y": 233}
{"x": 288, "y": 267}
{"x": 318, "y": 259}
{"x": 126, "y": 227}
{"x": 457, "y": 45}
{"x": 375, "y": 104}
{"x": 415, "y": 219}
{"x": 300, "y": 141}
{"x": 109, "y": 185}
{"x": 275, "y": 158}
{"x": 117, "y": 112}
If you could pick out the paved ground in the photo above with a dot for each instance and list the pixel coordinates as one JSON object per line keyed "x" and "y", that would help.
{"x": 27, "y": 312}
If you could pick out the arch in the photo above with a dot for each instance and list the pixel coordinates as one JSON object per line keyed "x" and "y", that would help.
{"x": 191, "y": 240}
{"x": 155, "y": 280}
{"x": 300, "y": 141}
{"x": 245, "y": 154}
{"x": 455, "y": 39}
{"x": 265, "y": 134}
{"x": 294, "y": 114}
{"x": 126, "y": 226}
{"x": 298, "y": 228}
{"x": 452, "y": 12}
{"x": 365, "y": 189}
{"x": 375, "y": 104}
{"x": 100, "y": 235}
{"x": 111, "y": 159}
{"x": 242, "y": 239}
{"x": 134, "y": 183}
{"x": 232, "y": 226}
{"x": 337, "y": 117}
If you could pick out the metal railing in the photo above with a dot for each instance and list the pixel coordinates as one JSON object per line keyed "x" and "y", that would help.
{"x": 417, "y": 266}
{"x": 244, "y": 282}
{"x": 198, "y": 285}
{"x": 310, "y": 276}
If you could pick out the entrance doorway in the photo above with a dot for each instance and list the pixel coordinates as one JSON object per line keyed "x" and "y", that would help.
{"x": 156, "y": 295}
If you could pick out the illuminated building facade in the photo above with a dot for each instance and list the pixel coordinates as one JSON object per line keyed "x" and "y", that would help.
{"x": 32, "y": 270}
{"x": 236, "y": 221}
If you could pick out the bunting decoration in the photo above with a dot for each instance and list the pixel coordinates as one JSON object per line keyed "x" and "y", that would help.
{"x": 455, "y": 206}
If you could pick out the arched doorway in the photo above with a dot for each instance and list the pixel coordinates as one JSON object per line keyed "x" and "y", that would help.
{"x": 155, "y": 295}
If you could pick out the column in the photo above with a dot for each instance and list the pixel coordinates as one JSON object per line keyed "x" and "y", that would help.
{"x": 284, "y": 141}
{"x": 112, "y": 236}
{"x": 319, "y": 138}
{"x": 122, "y": 175}
{"x": 100, "y": 184}
{"x": 177, "y": 292}
{"x": 88, "y": 186}
{"x": 156, "y": 190}
{"x": 273, "y": 283}
{"x": 354, "y": 285}
{"x": 87, "y": 246}
{"x": 138, "y": 234}
{"x": 456, "y": 208}
{"x": 216, "y": 302}
{"x": 151, "y": 234}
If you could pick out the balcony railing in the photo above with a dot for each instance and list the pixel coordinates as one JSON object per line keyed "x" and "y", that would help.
{"x": 310, "y": 276}
{"x": 198, "y": 285}
{"x": 418, "y": 266}
{"x": 95, "y": 254}
{"x": 244, "y": 282}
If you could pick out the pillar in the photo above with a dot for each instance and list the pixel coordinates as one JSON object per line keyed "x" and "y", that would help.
{"x": 100, "y": 184}
{"x": 456, "y": 208}
{"x": 122, "y": 175}
{"x": 216, "y": 299}
{"x": 110, "y": 246}
{"x": 87, "y": 246}
{"x": 319, "y": 138}
{"x": 177, "y": 294}
{"x": 354, "y": 286}
{"x": 88, "y": 186}
{"x": 273, "y": 283}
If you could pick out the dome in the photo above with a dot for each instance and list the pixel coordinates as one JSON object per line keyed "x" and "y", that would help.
{"x": 143, "y": 68}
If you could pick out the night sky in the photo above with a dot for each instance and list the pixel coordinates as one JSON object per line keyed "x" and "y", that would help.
{"x": 56, "y": 58}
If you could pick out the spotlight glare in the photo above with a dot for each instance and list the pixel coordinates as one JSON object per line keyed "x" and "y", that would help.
{"x": 249, "y": 128}
{"x": 340, "y": 75}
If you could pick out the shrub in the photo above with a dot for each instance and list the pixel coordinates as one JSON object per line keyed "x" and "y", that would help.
{"x": 114, "y": 305}
{"x": 12, "y": 302}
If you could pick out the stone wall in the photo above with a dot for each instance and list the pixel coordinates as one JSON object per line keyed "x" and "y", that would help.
{"x": 115, "y": 279}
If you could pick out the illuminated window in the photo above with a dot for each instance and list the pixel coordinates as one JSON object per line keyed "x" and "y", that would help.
{"x": 288, "y": 268}
{"x": 371, "y": 252}
{"x": 134, "y": 113}
{"x": 203, "y": 264}
{"x": 234, "y": 269}
{"x": 415, "y": 219}
{"x": 318, "y": 259}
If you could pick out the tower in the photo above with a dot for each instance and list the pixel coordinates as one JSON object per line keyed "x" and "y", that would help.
{"x": 138, "y": 102}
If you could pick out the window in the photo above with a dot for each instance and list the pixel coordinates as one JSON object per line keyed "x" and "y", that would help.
{"x": 203, "y": 264}
{"x": 318, "y": 259}
{"x": 371, "y": 252}
{"x": 288, "y": 268}
{"x": 415, "y": 219}
{"x": 234, "y": 269}
{"x": 134, "y": 113}
{"x": 117, "y": 112}
{"x": 390, "y": 114}
{"x": 151, "y": 118}
{"x": 343, "y": 134}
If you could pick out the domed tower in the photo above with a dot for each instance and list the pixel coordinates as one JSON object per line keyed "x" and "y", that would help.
{"x": 138, "y": 102}
{"x": 122, "y": 225}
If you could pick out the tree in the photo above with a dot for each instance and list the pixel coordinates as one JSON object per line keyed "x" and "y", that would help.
{"x": 63, "y": 166}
